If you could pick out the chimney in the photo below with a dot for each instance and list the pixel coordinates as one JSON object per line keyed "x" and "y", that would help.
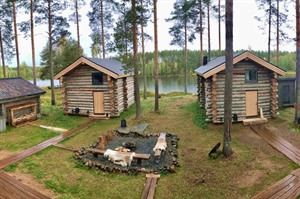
{"x": 205, "y": 60}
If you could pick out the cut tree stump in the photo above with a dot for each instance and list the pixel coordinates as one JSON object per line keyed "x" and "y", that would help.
{"x": 149, "y": 189}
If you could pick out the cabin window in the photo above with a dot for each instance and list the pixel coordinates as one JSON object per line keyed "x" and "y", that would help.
{"x": 251, "y": 76}
{"x": 97, "y": 78}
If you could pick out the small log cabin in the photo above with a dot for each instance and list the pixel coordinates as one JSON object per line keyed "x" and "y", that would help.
{"x": 254, "y": 87}
{"x": 19, "y": 102}
{"x": 96, "y": 87}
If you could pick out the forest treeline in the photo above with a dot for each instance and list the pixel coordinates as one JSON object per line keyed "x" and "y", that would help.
{"x": 171, "y": 63}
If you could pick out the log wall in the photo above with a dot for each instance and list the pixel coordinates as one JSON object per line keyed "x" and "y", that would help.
{"x": 266, "y": 87}
{"x": 201, "y": 91}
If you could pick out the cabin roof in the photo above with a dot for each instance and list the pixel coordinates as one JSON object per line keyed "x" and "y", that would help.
{"x": 17, "y": 87}
{"x": 218, "y": 64}
{"x": 111, "y": 67}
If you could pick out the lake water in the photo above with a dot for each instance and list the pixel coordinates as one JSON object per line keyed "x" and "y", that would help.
{"x": 166, "y": 84}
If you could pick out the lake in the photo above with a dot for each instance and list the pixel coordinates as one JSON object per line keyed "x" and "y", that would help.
{"x": 166, "y": 84}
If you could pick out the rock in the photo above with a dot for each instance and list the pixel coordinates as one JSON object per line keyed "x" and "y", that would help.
{"x": 172, "y": 169}
{"x": 141, "y": 129}
{"x": 199, "y": 181}
{"x": 124, "y": 130}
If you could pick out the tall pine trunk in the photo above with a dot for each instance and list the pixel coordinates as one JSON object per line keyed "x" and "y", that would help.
{"x": 297, "y": 107}
{"x": 102, "y": 29}
{"x": 269, "y": 34}
{"x": 50, "y": 53}
{"x": 227, "y": 151}
{"x": 135, "y": 59}
{"x": 2, "y": 55}
{"x": 16, "y": 37}
{"x": 32, "y": 42}
{"x": 143, "y": 52}
{"x": 201, "y": 33}
{"x": 185, "y": 56}
{"x": 208, "y": 28}
{"x": 77, "y": 25}
{"x": 156, "y": 106}
{"x": 277, "y": 35}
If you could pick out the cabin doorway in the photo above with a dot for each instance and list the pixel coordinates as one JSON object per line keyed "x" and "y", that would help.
{"x": 251, "y": 103}
{"x": 98, "y": 103}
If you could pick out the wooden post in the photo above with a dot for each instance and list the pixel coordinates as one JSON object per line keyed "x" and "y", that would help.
{"x": 102, "y": 142}
{"x": 274, "y": 95}
{"x": 214, "y": 98}
{"x": 111, "y": 95}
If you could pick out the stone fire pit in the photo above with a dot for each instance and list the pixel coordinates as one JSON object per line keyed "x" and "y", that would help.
{"x": 140, "y": 141}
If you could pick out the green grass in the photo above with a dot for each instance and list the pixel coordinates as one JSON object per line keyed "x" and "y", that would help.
{"x": 180, "y": 114}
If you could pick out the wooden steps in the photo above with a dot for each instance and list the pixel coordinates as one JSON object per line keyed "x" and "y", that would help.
{"x": 253, "y": 121}
{"x": 149, "y": 189}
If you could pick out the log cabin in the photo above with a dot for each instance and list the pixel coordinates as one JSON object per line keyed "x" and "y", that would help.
{"x": 95, "y": 87}
{"x": 19, "y": 102}
{"x": 254, "y": 87}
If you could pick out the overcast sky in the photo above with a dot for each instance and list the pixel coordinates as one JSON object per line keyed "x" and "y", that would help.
{"x": 246, "y": 32}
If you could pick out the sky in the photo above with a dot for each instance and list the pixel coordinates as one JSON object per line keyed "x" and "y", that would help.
{"x": 246, "y": 33}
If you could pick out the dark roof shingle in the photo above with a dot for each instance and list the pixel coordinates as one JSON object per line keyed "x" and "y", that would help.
{"x": 113, "y": 65}
{"x": 17, "y": 87}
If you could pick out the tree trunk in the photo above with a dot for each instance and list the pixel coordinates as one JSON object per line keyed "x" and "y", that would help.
{"x": 50, "y": 53}
{"x": 143, "y": 52}
{"x": 156, "y": 106}
{"x": 102, "y": 29}
{"x": 208, "y": 28}
{"x": 32, "y": 42}
{"x": 277, "y": 35}
{"x": 135, "y": 58}
{"x": 219, "y": 20}
{"x": 227, "y": 151}
{"x": 16, "y": 37}
{"x": 2, "y": 54}
{"x": 269, "y": 37}
{"x": 297, "y": 107}
{"x": 78, "y": 33}
{"x": 201, "y": 34}
{"x": 185, "y": 56}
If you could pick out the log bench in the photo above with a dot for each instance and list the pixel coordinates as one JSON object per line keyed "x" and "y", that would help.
{"x": 138, "y": 156}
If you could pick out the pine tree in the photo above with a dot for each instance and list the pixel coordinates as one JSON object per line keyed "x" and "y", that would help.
{"x": 27, "y": 26}
{"x": 274, "y": 18}
{"x": 183, "y": 30}
{"x": 101, "y": 21}
{"x": 50, "y": 12}
{"x": 76, "y": 18}
{"x": 6, "y": 34}
{"x": 156, "y": 105}
{"x": 297, "y": 106}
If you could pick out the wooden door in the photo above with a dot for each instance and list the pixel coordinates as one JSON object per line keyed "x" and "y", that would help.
{"x": 98, "y": 103}
{"x": 286, "y": 94}
{"x": 251, "y": 103}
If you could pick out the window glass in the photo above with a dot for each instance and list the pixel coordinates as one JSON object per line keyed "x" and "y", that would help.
{"x": 97, "y": 78}
{"x": 251, "y": 75}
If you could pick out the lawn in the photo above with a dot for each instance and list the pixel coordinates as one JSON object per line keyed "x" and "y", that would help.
{"x": 253, "y": 166}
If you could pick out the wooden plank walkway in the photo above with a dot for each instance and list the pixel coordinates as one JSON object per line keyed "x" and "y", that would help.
{"x": 28, "y": 152}
{"x": 288, "y": 187}
{"x": 149, "y": 189}
{"x": 10, "y": 188}
{"x": 278, "y": 143}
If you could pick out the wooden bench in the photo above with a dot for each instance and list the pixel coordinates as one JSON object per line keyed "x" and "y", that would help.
{"x": 138, "y": 156}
